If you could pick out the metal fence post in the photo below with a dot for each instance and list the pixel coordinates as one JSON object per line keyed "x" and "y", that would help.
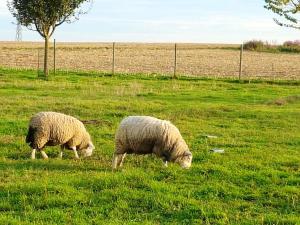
{"x": 241, "y": 61}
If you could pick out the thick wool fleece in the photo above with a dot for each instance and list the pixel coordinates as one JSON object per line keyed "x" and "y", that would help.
{"x": 145, "y": 135}
{"x": 52, "y": 128}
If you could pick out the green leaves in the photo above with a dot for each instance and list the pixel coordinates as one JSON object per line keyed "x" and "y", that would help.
{"x": 287, "y": 9}
{"x": 45, "y": 15}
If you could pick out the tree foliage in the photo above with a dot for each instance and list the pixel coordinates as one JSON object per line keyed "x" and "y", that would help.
{"x": 44, "y": 16}
{"x": 288, "y": 9}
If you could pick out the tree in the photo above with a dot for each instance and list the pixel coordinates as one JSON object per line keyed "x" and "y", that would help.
{"x": 287, "y": 9}
{"x": 44, "y": 16}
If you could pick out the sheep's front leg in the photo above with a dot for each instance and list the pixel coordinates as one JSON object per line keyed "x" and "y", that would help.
{"x": 33, "y": 153}
{"x": 44, "y": 154}
{"x": 118, "y": 160}
{"x": 61, "y": 152}
{"x": 122, "y": 160}
{"x": 161, "y": 154}
{"x": 115, "y": 161}
{"x": 165, "y": 163}
{"x": 75, "y": 152}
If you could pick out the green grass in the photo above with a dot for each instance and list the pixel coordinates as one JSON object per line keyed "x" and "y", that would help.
{"x": 256, "y": 181}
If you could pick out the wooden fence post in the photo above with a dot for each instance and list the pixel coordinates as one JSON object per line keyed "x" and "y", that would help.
{"x": 175, "y": 62}
{"x": 113, "y": 59}
{"x": 54, "y": 56}
{"x": 38, "y": 63}
{"x": 273, "y": 72}
{"x": 241, "y": 62}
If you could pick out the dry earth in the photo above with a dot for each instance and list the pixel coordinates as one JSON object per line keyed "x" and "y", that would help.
{"x": 192, "y": 59}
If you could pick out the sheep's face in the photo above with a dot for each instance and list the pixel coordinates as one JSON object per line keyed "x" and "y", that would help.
{"x": 185, "y": 160}
{"x": 89, "y": 150}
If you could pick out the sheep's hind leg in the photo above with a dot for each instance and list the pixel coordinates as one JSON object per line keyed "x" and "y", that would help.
{"x": 75, "y": 152}
{"x": 33, "y": 153}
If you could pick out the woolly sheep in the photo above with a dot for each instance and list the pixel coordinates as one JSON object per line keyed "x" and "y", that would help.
{"x": 52, "y": 128}
{"x": 146, "y": 135}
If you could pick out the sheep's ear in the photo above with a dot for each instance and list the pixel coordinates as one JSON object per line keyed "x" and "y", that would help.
{"x": 188, "y": 153}
{"x": 91, "y": 145}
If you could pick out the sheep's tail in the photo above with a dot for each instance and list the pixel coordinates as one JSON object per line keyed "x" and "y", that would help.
{"x": 30, "y": 135}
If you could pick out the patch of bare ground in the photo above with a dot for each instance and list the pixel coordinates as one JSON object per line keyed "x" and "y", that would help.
{"x": 206, "y": 60}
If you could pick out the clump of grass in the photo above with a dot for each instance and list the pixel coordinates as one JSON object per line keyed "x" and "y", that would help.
{"x": 285, "y": 100}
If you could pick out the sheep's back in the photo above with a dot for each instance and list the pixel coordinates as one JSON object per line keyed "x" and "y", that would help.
{"x": 57, "y": 126}
{"x": 141, "y": 133}
{"x": 136, "y": 130}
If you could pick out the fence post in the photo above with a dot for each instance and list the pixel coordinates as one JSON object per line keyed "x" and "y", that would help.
{"x": 175, "y": 62}
{"x": 54, "y": 56}
{"x": 273, "y": 72}
{"x": 241, "y": 61}
{"x": 113, "y": 59}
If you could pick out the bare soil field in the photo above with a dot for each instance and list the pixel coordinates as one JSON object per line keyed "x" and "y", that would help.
{"x": 209, "y": 60}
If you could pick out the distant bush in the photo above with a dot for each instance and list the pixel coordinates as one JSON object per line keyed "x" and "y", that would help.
{"x": 254, "y": 45}
{"x": 260, "y": 46}
{"x": 295, "y": 43}
{"x": 290, "y": 46}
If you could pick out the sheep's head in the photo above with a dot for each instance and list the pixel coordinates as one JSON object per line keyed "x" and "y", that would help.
{"x": 185, "y": 160}
{"x": 88, "y": 151}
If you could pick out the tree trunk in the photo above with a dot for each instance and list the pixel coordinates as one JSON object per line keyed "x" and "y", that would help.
{"x": 46, "y": 71}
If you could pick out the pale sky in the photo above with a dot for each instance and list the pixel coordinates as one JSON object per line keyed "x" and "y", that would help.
{"x": 200, "y": 21}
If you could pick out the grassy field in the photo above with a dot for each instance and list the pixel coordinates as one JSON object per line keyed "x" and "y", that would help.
{"x": 256, "y": 181}
{"x": 210, "y": 60}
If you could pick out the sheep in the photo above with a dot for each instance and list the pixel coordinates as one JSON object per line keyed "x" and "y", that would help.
{"x": 146, "y": 135}
{"x": 52, "y": 128}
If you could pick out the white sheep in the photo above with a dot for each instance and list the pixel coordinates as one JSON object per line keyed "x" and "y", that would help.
{"x": 146, "y": 135}
{"x": 52, "y": 128}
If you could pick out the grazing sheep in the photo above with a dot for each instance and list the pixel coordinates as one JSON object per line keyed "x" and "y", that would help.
{"x": 146, "y": 135}
{"x": 52, "y": 128}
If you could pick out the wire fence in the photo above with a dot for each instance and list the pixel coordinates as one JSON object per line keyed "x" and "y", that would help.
{"x": 201, "y": 60}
